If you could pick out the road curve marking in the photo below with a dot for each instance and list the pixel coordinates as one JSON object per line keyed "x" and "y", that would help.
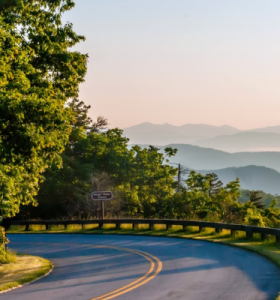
{"x": 152, "y": 273}
{"x": 135, "y": 284}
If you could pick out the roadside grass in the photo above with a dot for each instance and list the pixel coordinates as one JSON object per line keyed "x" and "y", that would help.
{"x": 8, "y": 257}
{"x": 24, "y": 269}
{"x": 268, "y": 248}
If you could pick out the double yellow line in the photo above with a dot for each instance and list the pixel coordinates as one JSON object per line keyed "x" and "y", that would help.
{"x": 156, "y": 266}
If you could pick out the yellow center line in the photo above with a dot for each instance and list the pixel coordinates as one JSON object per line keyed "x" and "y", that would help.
{"x": 131, "y": 286}
{"x": 127, "y": 288}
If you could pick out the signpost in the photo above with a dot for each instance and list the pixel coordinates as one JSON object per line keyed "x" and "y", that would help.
{"x": 102, "y": 195}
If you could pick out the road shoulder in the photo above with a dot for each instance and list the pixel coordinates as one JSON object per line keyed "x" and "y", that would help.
{"x": 25, "y": 270}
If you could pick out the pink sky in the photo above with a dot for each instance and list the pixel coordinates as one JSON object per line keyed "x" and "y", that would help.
{"x": 182, "y": 61}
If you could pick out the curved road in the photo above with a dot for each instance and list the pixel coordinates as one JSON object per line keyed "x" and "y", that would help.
{"x": 99, "y": 267}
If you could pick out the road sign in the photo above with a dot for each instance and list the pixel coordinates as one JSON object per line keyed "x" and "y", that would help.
{"x": 102, "y": 195}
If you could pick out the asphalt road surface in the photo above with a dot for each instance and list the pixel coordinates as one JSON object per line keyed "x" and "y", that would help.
{"x": 99, "y": 267}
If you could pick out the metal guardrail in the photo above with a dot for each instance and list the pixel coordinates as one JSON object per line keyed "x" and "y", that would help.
{"x": 250, "y": 230}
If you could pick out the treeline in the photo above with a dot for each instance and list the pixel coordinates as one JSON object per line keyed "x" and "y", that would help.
{"x": 266, "y": 198}
{"x": 144, "y": 184}
{"x": 98, "y": 159}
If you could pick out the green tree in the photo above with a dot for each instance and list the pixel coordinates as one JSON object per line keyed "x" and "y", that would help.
{"x": 267, "y": 198}
{"x": 214, "y": 184}
{"x": 271, "y": 215}
{"x": 65, "y": 188}
{"x": 255, "y": 199}
{"x": 254, "y": 217}
{"x": 149, "y": 182}
{"x": 213, "y": 206}
{"x": 38, "y": 74}
{"x": 198, "y": 182}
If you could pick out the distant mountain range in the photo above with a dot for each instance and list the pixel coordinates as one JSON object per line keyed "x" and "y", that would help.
{"x": 148, "y": 133}
{"x": 199, "y": 158}
{"x": 256, "y": 170}
{"x": 251, "y": 178}
{"x": 254, "y": 156}
{"x": 224, "y": 138}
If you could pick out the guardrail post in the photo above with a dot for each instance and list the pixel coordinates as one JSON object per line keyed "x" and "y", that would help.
{"x": 249, "y": 234}
{"x": 100, "y": 225}
{"x": 218, "y": 230}
{"x": 233, "y": 233}
{"x": 277, "y": 239}
{"x": 200, "y": 229}
{"x": 135, "y": 226}
{"x": 151, "y": 226}
{"x": 65, "y": 226}
{"x": 169, "y": 227}
{"x": 185, "y": 227}
{"x": 118, "y": 226}
{"x": 263, "y": 236}
{"x": 47, "y": 226}
{"x": 26, "y": 227}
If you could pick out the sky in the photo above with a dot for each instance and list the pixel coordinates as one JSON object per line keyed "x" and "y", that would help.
{"x": 181, "y": 61}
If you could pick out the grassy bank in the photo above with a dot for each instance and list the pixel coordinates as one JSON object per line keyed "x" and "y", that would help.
{"x": 24, "y": 269}
{"x": 268, "y": 248}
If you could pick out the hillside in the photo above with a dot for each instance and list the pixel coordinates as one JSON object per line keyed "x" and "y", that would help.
{"x": 251, "y": 178}
{"x": 266, "y": 197}
{"x": 207, "y": 159}
{"x": 148, "y": 133}
{"x": 275, "y": 129}
{"x": 243, "y": 141}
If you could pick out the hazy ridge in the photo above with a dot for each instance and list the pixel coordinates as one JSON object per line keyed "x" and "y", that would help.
{"x": 199, "y": 158}
{"x": 251, "y": 177}
{"x": 148, "y": 133}
{"x": 224, "y": 138}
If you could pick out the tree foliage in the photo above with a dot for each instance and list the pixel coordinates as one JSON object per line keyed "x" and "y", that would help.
{"x": 214, "y": 184}
{"x": 255, "y": 198}
{"x": 38, "y": 74}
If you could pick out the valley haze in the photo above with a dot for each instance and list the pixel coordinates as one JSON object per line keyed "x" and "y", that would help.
{"x": 251, "y": 155}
